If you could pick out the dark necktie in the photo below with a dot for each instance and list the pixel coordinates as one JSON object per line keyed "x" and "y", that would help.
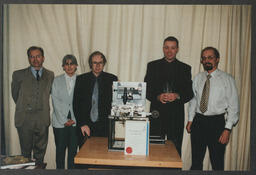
{"x": 95, "y": 96}
{"x": 69, "y": 115}
{"x": 205, "y": 95}
{"x": 37, "y": 75}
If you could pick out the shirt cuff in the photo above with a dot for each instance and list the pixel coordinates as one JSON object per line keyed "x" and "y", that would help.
{"x": 227, "y": 129}
{"x": 228, "y": 125}
{"x": 190, "y": 118}
{"x": 178, "y": 96}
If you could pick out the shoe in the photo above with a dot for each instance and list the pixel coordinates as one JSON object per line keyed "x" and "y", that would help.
{"x": 41, "y": 165}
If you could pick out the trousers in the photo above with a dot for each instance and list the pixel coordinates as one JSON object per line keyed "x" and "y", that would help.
{"x": 205, "y": 132}
{"x": 65, "y": 138}
{"x": 33, "y": 137}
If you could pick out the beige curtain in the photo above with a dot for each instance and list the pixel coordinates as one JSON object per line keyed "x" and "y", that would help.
{"x": 130, "y": 36}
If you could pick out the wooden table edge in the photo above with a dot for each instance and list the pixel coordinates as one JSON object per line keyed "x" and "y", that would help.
{"x": 127, "y": 163}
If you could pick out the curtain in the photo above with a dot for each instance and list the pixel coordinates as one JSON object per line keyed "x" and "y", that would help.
{"x": 130, "y": 36}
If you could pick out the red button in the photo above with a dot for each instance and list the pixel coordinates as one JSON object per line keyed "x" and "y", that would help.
{"x": 129, "y": 150}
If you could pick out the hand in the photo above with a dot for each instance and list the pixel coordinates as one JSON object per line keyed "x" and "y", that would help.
{"x": 167, "y": 97}
{"x": 224, "y": 138}
{"x": 69, "y": 123}
{"x": 162, "y": 98}
{"x": 188, "y": 127}
{"x": 170, "y": 97}
{"x": 85, "y": 130}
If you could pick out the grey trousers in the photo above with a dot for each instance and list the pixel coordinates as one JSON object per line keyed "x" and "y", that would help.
{"x": 33, "y": 137}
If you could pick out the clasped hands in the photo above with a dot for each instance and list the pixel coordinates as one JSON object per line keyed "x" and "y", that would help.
{"x": 70, "y": 123}
{"x": 167, "y": 97}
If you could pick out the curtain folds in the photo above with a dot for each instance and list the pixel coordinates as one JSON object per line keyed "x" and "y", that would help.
{"x": 130, "y": 36}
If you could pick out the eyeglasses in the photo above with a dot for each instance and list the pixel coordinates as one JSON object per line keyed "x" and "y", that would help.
{"x": 69, "y": 64}
{"x": 209, "y": 58}
{"x": 97, "y": 63}
{"x": 36, "y": 56}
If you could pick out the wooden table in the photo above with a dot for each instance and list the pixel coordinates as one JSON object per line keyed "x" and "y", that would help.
{"x": 95, "y": 152}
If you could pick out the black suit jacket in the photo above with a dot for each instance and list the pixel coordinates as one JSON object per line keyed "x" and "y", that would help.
{"x": 82, "y": 101}
{"x": 171, "y": 119}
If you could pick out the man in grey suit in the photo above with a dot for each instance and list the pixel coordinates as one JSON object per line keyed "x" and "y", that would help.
{"x": 63, "y": 119}
{"x": 30, "y": 91}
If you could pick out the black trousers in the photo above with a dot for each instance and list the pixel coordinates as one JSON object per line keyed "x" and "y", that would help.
{"x": 177, "y": 141}
{"x": 65, "y": 138}
{"x": 205, "y": 132}
{"x": 97, "y": 129}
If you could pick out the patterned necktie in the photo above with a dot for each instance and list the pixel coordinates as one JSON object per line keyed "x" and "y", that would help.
{"x": 95, "y": 96}
{"x": 205, "y": 95}
{"x": 37, "y": 75}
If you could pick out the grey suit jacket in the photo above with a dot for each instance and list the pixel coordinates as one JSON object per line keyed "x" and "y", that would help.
{"x": 62, "y": 102}
{"x": 31, "y": 96}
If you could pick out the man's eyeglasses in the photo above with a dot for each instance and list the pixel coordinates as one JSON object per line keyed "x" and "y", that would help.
{"x": 98, "y": 63}
{"x": 36, "y": 56}
{"x": 209, "y": 58}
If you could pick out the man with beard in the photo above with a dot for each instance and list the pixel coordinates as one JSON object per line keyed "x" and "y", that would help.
{"x": 215, "y": 97}
{"x": 169, "y": 87}
{"x": 31, "y": 91}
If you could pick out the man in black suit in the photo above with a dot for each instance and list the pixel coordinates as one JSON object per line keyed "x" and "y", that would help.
{"x": 169, "y": 87}
{"x": 92, "y": 99}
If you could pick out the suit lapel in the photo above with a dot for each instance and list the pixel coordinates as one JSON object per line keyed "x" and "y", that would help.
{"x": 30, "y": 74}
{"x": 44, "y": 74}
{"x": 63, "y": 84}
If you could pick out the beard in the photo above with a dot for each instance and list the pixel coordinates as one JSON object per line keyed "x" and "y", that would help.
{"x": 208, "y": 66}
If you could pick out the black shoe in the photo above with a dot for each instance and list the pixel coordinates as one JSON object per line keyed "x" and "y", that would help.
{"x": 40, "y": 165}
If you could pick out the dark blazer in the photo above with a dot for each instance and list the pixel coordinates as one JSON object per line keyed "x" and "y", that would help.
{"x": 82, "y": 101}
{"x": 171, "y": 119}
{"x": 31, "y": 96}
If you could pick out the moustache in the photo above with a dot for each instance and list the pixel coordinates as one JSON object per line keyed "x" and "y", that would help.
{"x": 210, "y": 64}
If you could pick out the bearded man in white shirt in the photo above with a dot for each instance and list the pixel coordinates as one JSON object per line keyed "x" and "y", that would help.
{"x": 213, "y": 111}
{"x": 63, "y": 119}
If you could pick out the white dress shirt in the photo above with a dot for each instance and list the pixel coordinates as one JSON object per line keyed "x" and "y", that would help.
{"x": 34, "y": 71}
{"x": 223, "y": 97}
{"x": 70, "y": 81}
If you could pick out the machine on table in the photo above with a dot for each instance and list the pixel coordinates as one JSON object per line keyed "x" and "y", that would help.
{"x": 128, "y": 105}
